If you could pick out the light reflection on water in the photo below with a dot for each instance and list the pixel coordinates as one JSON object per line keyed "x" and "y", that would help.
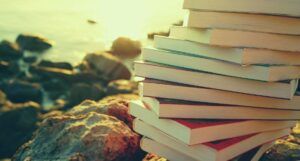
{"x": 65, "y": 21}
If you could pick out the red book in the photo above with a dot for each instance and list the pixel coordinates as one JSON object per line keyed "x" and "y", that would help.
{"x": 197, "y": 131}
{"x": 168, "y": 146}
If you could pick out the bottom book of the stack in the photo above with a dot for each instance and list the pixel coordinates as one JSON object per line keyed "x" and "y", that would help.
{"x": 160, "y": 143}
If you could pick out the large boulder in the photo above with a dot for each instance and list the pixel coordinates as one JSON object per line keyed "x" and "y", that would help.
{"x": 89, "y": 137}
{"x": 107, "y": 66}
{"x": 33, "y": 42}
{"x": 17, "y": 124}
{"x": 9, "y": 51}
{"x": 20, "y": 91}
{"x": 122, "y": 87}
{"x": 116, "y": 106}
{"x": 124, "y": 47}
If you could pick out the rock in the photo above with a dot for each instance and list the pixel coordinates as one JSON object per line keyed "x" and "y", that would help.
{"x": 30, "y": 59}
{"x": 47, "y": 73}
{"x": 122, "y": 87}
{"x": 90, "y": 137}
{"x": 20, "y": 91}
{"x": 124, "y": 47}
{"x": 9, "y": 51}
{"x": 153, "y": 157}
{"x": 116, "y": 106}
{"x": 17, "y": 124}
{"x": 82, "y": 91}
{"x": 283, "y": 150}
{"x": 33, "y": 42}
{"x": 107, "y": 66}
{"x": 2, "y": 98}
{"x": 60, "y": 65}
{"x": 160, "y": 33}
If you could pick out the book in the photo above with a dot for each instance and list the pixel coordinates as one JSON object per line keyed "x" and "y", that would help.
{"x": 243, "y": 21}
{"x": 161, "y": 89}
{"x": 255, "y": 72}
{"x": 210, "y": 151}
{"x": 237, "y": 38}
{"x": 284, "y": 89}
{"x": 274, "y": 7}
{"x": 243, "y": 56}
{"x": 157, "y": 148}
{"x": 166, "y": 108}
{"x": 191, "y": 131}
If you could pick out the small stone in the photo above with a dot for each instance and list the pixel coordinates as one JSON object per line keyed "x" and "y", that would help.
{"x": 9, "y": 51}
{"x": 124, "y": 47}
{"x": 107, "y": 66}
{"x": 33, "y": 42}
{"x": 47, "y": 73}
{"x": 17, "y": 124}
{"x": 90, "y": 137}
{"x": 60, "y": 65}
{"x": 30, "y": 59}
{"x": 153, "y": 157}
{"x": 283, "y": 150}
{"x": 122, "y": 87}
{"x": 82, "y": 91}
{"x": 20, "y": 91}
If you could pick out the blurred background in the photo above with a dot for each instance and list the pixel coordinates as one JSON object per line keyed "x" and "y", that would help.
{"x": 67, "y": 22}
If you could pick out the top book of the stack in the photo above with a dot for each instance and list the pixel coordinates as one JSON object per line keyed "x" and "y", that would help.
{"x": 270, "y": 7}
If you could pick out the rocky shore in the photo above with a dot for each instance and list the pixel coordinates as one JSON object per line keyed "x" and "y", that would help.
{"x": 54, "y": 111}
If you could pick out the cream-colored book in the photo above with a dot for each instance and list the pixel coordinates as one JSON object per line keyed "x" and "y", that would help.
{"x": 244, "y": 21}
{"x": 237, "y": 38}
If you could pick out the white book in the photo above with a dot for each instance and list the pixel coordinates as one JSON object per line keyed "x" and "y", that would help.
{"x": 196, "y": 131}
{"x": 244, "y": 21}
{"x": 256, "y": 72}
{"x": 165, "y": 108}
{"x": 262, "y": 150}
{"x": 221, "y": 151}
{"x": 237, "y": 38}
{"x": 273, "y": 7}
{"x": 285, "y": 89}
{"x": 245, "y": 56}
{"x": 160, "y": 89}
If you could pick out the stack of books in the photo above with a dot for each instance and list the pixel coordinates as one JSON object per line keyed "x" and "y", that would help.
{"x": 222, "y": 84}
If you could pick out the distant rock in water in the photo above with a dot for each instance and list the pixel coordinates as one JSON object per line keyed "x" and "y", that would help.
{"x": 33, "y": 42}
{"x": 9, "y": 51}
{"x": 21, "y": 91}
{"x": 82, "y": 91}
{"x": 17, "y": 124}
{"x": 105, "y": 65}
{"x": 89, "y": 137}
{"x": 124, "y": 47}
{"x": 122, "y": 87}
{"x": 60, "y": 65}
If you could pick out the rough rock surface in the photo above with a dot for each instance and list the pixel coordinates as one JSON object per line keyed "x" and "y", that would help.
{"x": 20, "y": 91}
{"x": 90, "y": 137}
{"x": 106, "y": 65}
{"x": 33, "y": 42}
{"x": 17, "y": 124}
{"x": 9, "y": 51}
{"x": 116, "y": 106}
{"x": 124, "y": 47}
{"x": 122, "y": 86}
